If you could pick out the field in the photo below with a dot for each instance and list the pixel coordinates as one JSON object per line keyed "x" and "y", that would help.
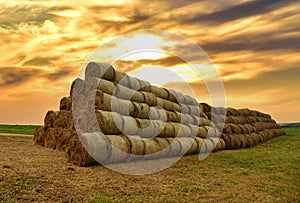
{"x": 18, "y": 129}
{"x": 268, "y": 172}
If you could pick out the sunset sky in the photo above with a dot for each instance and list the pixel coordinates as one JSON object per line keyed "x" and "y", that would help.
{"x": 255, "y": 46}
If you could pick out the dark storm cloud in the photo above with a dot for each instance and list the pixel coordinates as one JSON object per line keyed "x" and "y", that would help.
{"x": 240, "y": 11}
{"x": 12, "y": 76}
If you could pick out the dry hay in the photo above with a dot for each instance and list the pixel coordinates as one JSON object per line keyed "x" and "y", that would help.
{"x": 65, "y": 104}
{"x": 123, "y": 92}
{"x": 63, "y": 119}
{"x": 160, "y": 92}
{"x": 150, "y": 98}
{"x": 50, "y": 119}
{"x": 99, "y": 70}
{"x": 141, "y": 110}
{"x": 39, "y": 136}
{"x": 149, "y": 128}
{"x": 129, "y": 126}
{"x": 109, "y": 122}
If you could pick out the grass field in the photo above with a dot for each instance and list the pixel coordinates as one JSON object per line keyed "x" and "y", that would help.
{"x": 17, "y": 129}
{"x": 268, "y": 172}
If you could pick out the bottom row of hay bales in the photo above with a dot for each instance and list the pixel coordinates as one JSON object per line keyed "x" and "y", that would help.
{"x": 81, "y": 149}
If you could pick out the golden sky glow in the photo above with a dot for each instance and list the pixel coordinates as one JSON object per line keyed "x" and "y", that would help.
{"x": 255, "y": 46}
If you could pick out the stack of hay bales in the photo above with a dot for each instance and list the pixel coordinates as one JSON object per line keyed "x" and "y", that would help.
{"x": 133, "y": 116}
{"x": 243, "y": 128}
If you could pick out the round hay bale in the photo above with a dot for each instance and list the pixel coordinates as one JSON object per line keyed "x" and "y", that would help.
{"x": 141, "y": 110}
{"x": 123, "y": 92}
{"x": 245, "y": 112}
{"x": 244, "y": 140}
{"x": 145, "y": 86}
{"x": 164, "y": 147}
{"x": 194, "y": 130}
{"x": 50, "y": 136}
{"x": 50, "y": 119}
{"x": 184, "y": 109}
{"x": 137, "y": 146}
{"x": 104, "y": 85}
{"x": 119, "y": 148}
{"x": 168, "y": 130}
{"x": 182, "y": 130}
{"x": 65, "y": 104}
{"x": 204, "y": 122}
{"x": 134, "y": 83}
{"x": 124, "y": 107}
{"x": 255, "y": 138}
{"x": 222, "y": 144}
{"x": 109, "y": 122}
{"x": 175, "y": 147}
{"x": 206, "y": 107}
{"x": 158, "y": 113}
{"x": 121, "y": 78}
{"x": 194, "y": 110}
{"x": 129, "y": 126}
{"x": 186, "y": 145}
{"x": 187, "y": 119}
{"x": 227, "y": 140}
{"x": 199, "y": 141}
{"x": 190, "y": 100}
{"x": 208, "y": 145}
{"x": 151, "y": 148}
{"x": 38, "y": 136}
{"x": 253, "y": 113}
{"x": 202, "y": 132}
{"x": 63, "y": 136}
{"x": 173, "y": 116}
{"x": 63, "y": 120}
{"x": 149, "y": 128}
{"x": 150, "y": 98}
{"x": 160, "y": 92}
{"x": 99, "y": 70}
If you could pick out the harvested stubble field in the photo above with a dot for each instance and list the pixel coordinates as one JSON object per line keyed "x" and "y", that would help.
{"x": 268, "y": 172}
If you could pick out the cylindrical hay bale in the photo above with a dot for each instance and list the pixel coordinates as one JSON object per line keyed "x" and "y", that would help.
{"x": 145, "y": 86}
{"x": 199, "y": 142}
{"x": 202, "y": 132}
{"x": 137, "y": 146}
{"x": 216, "y": 143}
{"x": 39, "y": 136}
{"x": 190, "y": 100}
{"x": 194, "y": 147}
{"x": 63, "y": 137}
{"x": 204, "y": 122}
{"x": 182, "y": 130}
{"x": 226, "y": 140}
{"x": 164, "y": 147}
{"x": 63, "y": 120}
{"x": 253, "y": 113}
{"x": 158, "y": 113}
{"x": 141, "y": 110}
{"x": 208, "y": 145}
{"x": 149, "y": 128}
{"x": 78, "y": 85}
{"x": 151, "y": 147}
{"x": 129, "y": 126}
{"x": 160, "y": 103}
{"x": 175, "y": 147}
{"x": 50, "y": 138}
{"x": 50, "y": 119}
{"x": 134, "y": 83}
{"x": 243, "y": 140}
{"x": 176, "y": 97}
{"x": 160, "y": 92}
{"x": 168, "y": 130}
{"x": 187, "y": 119}
{"x": 184, "y": 109}
{"x": 150, "y": 98}
{"x": 186, "y": 145}
{"x": 121, "y": 78}
{"x": 173, "y": 116}
{"x": 206, "y": 107}
{"x": 124, "y": 107}
{"x": 119, "y": 148}
{"x": 109, "y": 122}
{"x": 105, "y": 86}
{"x": 123, "y": 92}
{"x": 65, "y": 104}
{"x": 222, "y": 143}
{"x": 194, "y": 110}
{"x": 99, "y": 70}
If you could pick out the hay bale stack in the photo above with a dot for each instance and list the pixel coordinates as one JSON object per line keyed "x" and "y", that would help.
{"x": 140, "y": 121}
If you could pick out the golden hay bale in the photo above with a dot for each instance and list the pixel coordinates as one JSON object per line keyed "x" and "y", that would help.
{"x": 150, "y": 98}
{"x": 157, "y": 113}
{"x": 160, "y": 92}
{"x": 78, "y": 85}
{"x": 194, "y": 130}
{"x": 63, "y": 137}
{"x": 206, "y": 107}
{"x": 129, "y": 126}
{"x": 245, "y": 112}
{"x": 119, "y": 148}
{"x": 175, "y": 146}
{"x": 190, "y": 100}
{"x": 123, "y": 92}
{"x": 121, "y": 78}
{"x": 105, "y": 86}
{"x": 255, "y": 138}
{"x": 65, "y": 104}
{"x": 173, "y": 116}
{"x": 187, "y": 119}
{"x": 99, "y": 70}
{"x": 202, "y": 132}
{"x": 151, "y": 147}
{"x": 168, "y": 130}
{"x": 184, "y": 109}
{"x": 50, "y": 119}
{"x": 124, "y": 107}
{"x": 187, "y": 145}
{"x": 50, "y": 137}
{"x": 63, "y": 119}
{"x": 109, "y": 122}
{"x": 204, "y": 122}
{"x": 39, "y": 136}
{"x": 141, "y": 110}
{"x": 253, "y": 113}
{"x": 227, "y": 140}
{"x": 165, "y": 149}
{"x": 134, "y": 83}
{"x": 145, "y": 86}
{"x": 137, "y": 146}
{"x": 149, "y": 128}
{"x": 181, "y": 130}
{"x": 199, "y": 141}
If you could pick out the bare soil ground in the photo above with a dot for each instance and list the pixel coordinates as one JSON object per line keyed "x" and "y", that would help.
{"x": 265, "y": 173}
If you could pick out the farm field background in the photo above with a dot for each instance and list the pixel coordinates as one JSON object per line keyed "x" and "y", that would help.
{"x": 267, "y": 172}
